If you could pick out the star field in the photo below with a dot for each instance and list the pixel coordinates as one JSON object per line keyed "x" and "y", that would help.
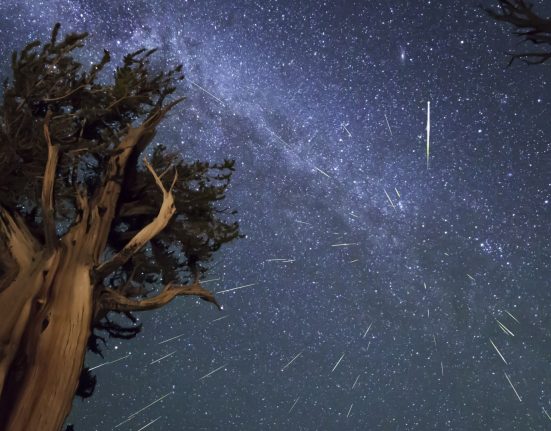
{"x": 374, "y": 286}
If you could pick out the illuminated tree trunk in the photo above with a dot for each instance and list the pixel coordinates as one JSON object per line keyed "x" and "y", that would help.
{"x": 49, "y": 309}
{"x": 51, "y": 293}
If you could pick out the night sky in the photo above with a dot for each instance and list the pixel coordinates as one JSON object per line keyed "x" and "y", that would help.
{"x": 379, "y": 293}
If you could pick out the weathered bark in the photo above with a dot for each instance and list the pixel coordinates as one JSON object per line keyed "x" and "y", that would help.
{"x": 44, "y": 378}
{"x": 47, "y": 309}
{"x": 110, "y": 300}
{"x": 47, "y": 291}
{"x": 145, "y": 234}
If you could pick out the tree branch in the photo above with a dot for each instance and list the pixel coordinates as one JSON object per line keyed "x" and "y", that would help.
{"x": 111, "y": 300}
{"x": 146, "y": 233}
{"x": 532, "y": 28}
{"x": 50, "y": 235}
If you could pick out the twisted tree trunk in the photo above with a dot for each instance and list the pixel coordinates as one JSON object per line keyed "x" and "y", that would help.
{"x": 49, "y": 309}
{"x": 46, "y": 301}
{"x": 51, "y": 293}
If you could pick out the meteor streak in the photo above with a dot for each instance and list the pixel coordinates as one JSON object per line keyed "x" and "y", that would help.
{"x": 164, "y": 357}
{"x": 345, "y": 244}
{"x": 150, "y": 423}
{"x": 109, "y": 363}
{"x": 293, "y": 406}
{"x": 338, "y": 362}
{"x": 498, "y": 352}
{"x": 511, "y": 383}
{"x": 390, "y": 200}
{"x": 213, "y": 371}
{"x": 292, "y": 360}
{"x": 210, "y": 94}
{"x": 327, "y": 175}
{"x": 505, "y": 329}
{"x": 133, "y": 415}
{"x": 347, "y": 131}
{"x": 513, "y": 317}
{"x": 367, "y": 330}
{"x": 388, "y": 125}
{"x": 173, "y": 338}
{"x": 236, "y": 288}
{"x": 428, "y": 133}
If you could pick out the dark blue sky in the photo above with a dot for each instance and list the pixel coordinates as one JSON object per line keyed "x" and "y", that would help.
{"x": 324, "y": 106}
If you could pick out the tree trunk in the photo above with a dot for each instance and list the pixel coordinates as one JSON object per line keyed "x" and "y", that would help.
{"x": 46, "y": 294}
{"x": 54, "y": 326}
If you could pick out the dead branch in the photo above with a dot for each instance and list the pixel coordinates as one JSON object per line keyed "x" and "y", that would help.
{"x": 146, "y": 233}
{"x": 48, "y": 182}
{"x": 111, "y": 300}
{"x": 531, "y": 28}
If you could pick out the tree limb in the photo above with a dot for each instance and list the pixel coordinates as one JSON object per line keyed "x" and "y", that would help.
{"x": 136, "y": 139}
{"x": 111, "y": 300}
{"x": 146, "y": 233}
{"x": 532, "y": 28}
{"x": 50, "y": 235}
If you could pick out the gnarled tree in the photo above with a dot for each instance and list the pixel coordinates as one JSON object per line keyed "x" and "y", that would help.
{"x": 530, "y": 27}
{"x": 86, "y": 228}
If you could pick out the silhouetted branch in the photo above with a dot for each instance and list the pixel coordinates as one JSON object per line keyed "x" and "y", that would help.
{"x": 531, "y": 28}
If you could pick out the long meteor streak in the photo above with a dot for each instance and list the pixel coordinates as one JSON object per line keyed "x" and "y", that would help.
{"x": 388, "y": 125}
{"x": 213, "y": 371}
{"x": 294, "y": 404}
{"x": 150, "y": 423}
{"x": 109, "y": 363}
{"x": 511, "y": 383}
{"x": 292, "y": 360}
{"x": 210, "y": 94}
{"x": 164, "y": 357}
{"x": 498, "y": 352}
{"x": 367, "y": 330}
{"x": 338, "y": 362}
{"x": 133, "y": 415}
{"x": 390, "y": 200}
{"x": 324, "y": 173}
{"x": 428, "y": 133}
{"x": 236, "y": 288}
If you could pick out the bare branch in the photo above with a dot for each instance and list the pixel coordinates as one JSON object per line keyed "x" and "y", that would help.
{"x": 48, "y": 187}
{"x": 111, "y": 300}
{"x": 157, "y": 115}
{"x": 146, "y": 233}
{"x": 532, "y": 28}
{"x": 531, "y": 57}
{"x": 70, "y": 93}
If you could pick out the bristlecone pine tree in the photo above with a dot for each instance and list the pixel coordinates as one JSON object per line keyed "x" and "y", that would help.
{"x": 88, "y": 231}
